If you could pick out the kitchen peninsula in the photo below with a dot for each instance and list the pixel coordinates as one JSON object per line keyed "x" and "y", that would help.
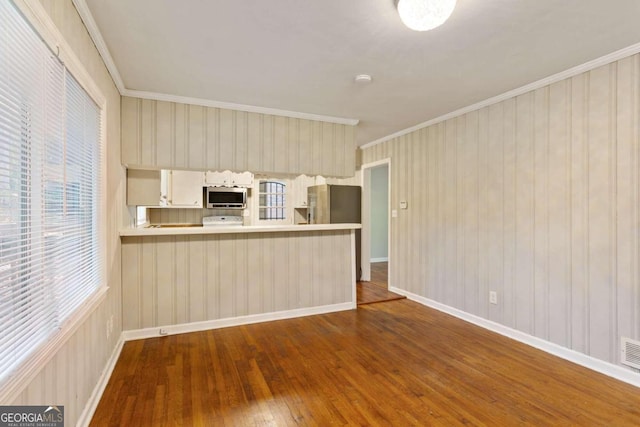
{"x": 179, "y": 279}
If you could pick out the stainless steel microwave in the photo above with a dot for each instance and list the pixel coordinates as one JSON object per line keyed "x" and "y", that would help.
{"x": 226, "y": 198}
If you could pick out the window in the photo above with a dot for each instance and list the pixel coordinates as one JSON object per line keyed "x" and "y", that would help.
{"x": 50, "y": 177}
{"x": 272, "y": 200}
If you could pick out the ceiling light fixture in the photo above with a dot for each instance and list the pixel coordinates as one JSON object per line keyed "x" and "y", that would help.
{"x": 423, "y": 15}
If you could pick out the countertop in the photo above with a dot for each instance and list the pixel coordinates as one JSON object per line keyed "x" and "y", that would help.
{"x": 190, "y": 229}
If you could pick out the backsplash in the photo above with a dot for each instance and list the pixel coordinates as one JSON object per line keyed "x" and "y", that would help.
{"x": 185, "y": 216}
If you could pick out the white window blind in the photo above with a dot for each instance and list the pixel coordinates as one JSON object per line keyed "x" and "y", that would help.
{"x": 50, "y": 174}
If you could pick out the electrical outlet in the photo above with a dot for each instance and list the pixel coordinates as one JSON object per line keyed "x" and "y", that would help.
{"x": 163, "y": 332}
{"x": 493, "y": 297}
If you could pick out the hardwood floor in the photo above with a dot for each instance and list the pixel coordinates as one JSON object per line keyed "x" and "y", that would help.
{"x": 376, "y": 290}
{"x": 396, "y": 363}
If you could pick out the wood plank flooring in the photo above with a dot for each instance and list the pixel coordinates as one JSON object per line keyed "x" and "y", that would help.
{"x": 376, "y": 290}
{"x": 395, "y": 364}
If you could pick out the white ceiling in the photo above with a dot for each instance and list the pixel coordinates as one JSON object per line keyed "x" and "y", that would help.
{"x": 303, "y": 55}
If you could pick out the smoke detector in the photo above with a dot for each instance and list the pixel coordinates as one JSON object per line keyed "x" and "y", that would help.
{"x": 362, "y": 79}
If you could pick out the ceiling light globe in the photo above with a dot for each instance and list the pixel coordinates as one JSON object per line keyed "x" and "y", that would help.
{"x": 424, "y": 15}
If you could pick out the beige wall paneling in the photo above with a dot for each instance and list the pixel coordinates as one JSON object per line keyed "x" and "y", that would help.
{"x": 160, "y": 134}
{"x": 280, "y": 143}
{"x": 305, "y": 150}
{"x": 627, "y": 180}
{"x": 525, "y": 182}
{"x": 471, "y": 210}
{"x": 226, "y": 131}
{"x": 579, "y": 214}
{"x": 559, "y": 186}
{"x": 195, "y": 136}
{"x": 72, "y": 373}
{"x": 507, "y": 292}
{"x": 171, "y": 280}
{"x": 601, "y": 280}
{"x": 164, "y": 144}
{"x": 255, "y": 133}
{"x": 535, "y": 197}
{"x": 541, "y": 212}
{"x": 212, "y": 137}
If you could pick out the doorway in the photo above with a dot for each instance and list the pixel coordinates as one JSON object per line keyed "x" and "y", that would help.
{"x": 376, "y": 263}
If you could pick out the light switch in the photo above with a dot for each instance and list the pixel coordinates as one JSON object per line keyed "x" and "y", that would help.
{"x": 403, "y": 205}
{"x": 394, "y": 213}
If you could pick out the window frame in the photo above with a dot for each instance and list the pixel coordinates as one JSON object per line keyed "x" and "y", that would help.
{"x": 254, "y": 201}
{"x": 37, "y": 17}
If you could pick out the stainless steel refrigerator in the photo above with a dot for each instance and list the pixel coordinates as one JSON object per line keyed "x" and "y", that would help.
{"x": 336, "y": 204}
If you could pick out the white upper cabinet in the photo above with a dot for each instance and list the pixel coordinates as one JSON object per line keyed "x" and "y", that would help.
{"x": 185, "y": 189}
{"x": 228, "y": 179}
{"x": 169, "y": 135}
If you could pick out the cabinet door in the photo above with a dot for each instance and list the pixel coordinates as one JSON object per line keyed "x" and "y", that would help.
{"x": 143, "y": 188}
{"x": 244, "y": 179}
{"x": 186, "y": 189}
{"x": 217, "y": 179}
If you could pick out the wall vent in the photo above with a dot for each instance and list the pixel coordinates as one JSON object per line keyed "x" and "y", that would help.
{"x": 630, "y": 352}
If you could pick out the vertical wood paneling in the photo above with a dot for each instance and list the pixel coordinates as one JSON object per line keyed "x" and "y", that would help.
{"x": 627, "y": 190}
{"x": 212, "y": 141}
{"x": 305, "y": 148}
{"x": 471, "y": 211}
{"x": 579, "y": 213}
{"x": 559, "y": 212}
{"x": 293, "y": 144}
{"x": 131, "y": 120}
{"x": 495, "y": 207}
{"x": 280, "y": 143}
{"x": 509, "y": 174}
{"x": 305, "y": 270}
{"x": 183, "y": 279}
{"x": 541, "y": 213}
{"x": 484, "y": 212}
{"x": 268, "y": 146}
{"x": 316, "y": 150}
{"x": 599, "y": 203}
{"x": 240, "y": 141}
{"x": 160, "y": 134}
{"x": 195, "y": 135}
{"x": 254, "y": 140}
{"x": 524, "y": 284}
{"x": 226, "y": 130}
{"x": 147, "y": 133}
{"x": 180, "y": 137}
{"x": 536, "y": 197}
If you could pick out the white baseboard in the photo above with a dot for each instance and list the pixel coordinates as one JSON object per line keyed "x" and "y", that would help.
{"x": 606, "y": 368}
{"x": 96, "y": 395}
{"x": 233, "y": 321}
{"x": 383, "y": 259}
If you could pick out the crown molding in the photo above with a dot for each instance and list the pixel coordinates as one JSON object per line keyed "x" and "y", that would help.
{"x": 98, "y": 40}
{"x": 238, "y": 107}
{"x": 571, "y": 72}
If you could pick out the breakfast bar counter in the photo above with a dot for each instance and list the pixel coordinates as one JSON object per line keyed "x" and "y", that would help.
{"x": 182, "y": 229}
{"x": 177, "y": 279}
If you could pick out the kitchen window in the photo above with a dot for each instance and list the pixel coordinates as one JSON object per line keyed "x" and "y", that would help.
{"x": 51, "y": 250}
{"x": 272, "y": 200}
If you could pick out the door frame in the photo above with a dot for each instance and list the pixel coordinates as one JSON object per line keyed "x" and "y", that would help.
{"x": 366, "y": 218}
